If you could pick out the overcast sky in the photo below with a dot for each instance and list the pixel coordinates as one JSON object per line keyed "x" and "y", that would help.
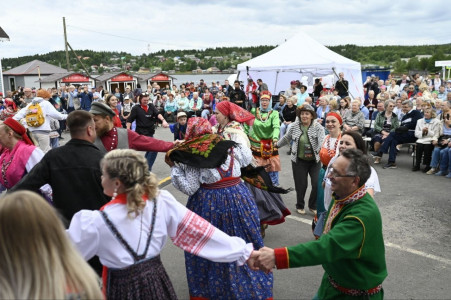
{"x": 143, "y": 26}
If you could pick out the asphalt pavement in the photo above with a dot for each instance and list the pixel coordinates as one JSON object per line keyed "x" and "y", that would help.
{"x": 415, "y": 209}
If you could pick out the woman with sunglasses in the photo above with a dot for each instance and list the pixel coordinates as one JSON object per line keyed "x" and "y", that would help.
{"x": 349, "y": 140}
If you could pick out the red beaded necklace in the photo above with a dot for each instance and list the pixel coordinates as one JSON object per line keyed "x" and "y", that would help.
{"x": 335, "y": 145}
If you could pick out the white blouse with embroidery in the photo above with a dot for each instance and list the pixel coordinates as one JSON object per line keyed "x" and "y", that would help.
{"x": 188, "y": 179}
{"x": 186, "y": 229}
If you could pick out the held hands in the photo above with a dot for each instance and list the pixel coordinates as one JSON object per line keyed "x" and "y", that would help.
{"x": 263, "y": 260}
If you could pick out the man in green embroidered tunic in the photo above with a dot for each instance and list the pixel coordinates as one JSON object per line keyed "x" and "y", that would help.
{"x": 351, "y": 250}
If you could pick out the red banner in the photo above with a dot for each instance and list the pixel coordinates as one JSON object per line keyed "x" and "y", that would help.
{"x": 122, "y": 77}
{"x": 160, "y": 77}
{"x": 76, "y": 78}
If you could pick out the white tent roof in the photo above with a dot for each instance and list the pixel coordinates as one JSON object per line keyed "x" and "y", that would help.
{"x": 298, "y": 57}
{"x": 299, "y": 52}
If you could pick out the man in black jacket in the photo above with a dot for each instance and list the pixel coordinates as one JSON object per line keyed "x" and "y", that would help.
{"x": 342, "y": 86}
{"x": 73, "y": 170}
{"x": 404, "y": 134}
{"x": 146, "y": 116}
{"x": 237, "y": 95}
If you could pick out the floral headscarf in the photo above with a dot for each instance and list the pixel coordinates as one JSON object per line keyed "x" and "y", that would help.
{"x": 197, "y": 127}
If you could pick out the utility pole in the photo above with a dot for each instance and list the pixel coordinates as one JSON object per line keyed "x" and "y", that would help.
{"x": 65, "y": 44}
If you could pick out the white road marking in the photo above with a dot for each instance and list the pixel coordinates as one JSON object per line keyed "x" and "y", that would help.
{"x": 387, "y": 244}
{"x": 299, "y": 219}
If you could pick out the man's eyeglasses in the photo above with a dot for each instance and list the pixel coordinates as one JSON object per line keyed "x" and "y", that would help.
{"x": 332, "y": 174}
{"x": 145, "y": 94}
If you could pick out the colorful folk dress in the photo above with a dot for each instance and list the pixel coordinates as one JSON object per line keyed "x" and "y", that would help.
{"x": 261, "y": 135}
{"x": 218, "y": 195}
{"x": 351, "y": 250}
{"x": 129, "y": 248}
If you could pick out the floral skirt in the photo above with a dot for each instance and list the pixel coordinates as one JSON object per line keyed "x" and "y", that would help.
{"x": 233, "y": 210}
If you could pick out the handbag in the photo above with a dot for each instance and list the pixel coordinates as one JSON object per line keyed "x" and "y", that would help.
{"x": 441, "y": 139}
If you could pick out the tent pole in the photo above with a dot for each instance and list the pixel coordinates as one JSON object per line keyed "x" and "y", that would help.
{"x": 275, "y": 84}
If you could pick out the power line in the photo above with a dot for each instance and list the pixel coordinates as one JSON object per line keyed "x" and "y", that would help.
{"x": 109, "y": 34}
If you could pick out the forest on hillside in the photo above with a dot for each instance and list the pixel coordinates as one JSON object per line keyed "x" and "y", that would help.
{"x": 400, "y": 58}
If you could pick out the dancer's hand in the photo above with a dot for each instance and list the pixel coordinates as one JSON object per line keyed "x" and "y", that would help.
{"x": 266, "y": 259}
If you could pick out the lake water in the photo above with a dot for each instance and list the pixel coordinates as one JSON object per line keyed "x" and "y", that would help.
{"x": 208, "y": 78}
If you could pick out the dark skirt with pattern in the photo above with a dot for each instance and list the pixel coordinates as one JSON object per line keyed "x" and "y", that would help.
{"x": 271, "y": 209}
{"x": 146, "y": 279}
{"x": 233, "y": 210}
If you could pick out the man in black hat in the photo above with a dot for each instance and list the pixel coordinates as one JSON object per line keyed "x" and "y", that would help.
{"x": 110, "y": 137}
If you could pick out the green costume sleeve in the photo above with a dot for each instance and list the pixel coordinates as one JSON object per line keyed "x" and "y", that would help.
{"x": 275, "y": 125}
{"x": 344, "y": 241}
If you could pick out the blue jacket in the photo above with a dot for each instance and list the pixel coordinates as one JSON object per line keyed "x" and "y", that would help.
{"x": 85, "y": 100}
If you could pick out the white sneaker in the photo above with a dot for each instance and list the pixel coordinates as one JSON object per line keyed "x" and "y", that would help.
{"x": 301, "y": 211}
{"x": 313, "y": 211}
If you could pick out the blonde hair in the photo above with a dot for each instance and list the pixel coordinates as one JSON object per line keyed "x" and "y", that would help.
{"x": 132, "y": 170}
{"x": 37, "y": 258}
{"x": 333, "y": 104}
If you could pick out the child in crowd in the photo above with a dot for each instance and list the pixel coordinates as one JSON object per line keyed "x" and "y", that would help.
{"x": 126, "y": 109}
{"x": 179, "y": 128}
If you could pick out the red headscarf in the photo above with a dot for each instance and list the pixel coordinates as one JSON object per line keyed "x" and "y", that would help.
{"x": 19, "y": 129}
{"x": 235, "y": 112}
{"x": 197, "y": 127}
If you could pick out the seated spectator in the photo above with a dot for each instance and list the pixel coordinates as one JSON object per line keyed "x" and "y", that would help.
{"x": 322, "y": 110}
{"x": 280, "y": 105}
{"x": 333, "y": 105}
{"x": 386, "y": 121}
{"x": 405, "y": 133}
{"x": 293, "y": 90}
{"x": 380, "y": 107}
{"x": 441, "y": 146}
{"x": 398, "y": 108}
{"x": 370, "y": 103}
{"x": 345, "y": 105}
{"x": 363, "y": 109}
{"x": 302, "y": 95}
{"x": 195, "y": 105}
{"x": 288, "y": 116}
{"x": 170, "y": 109}
{"x": 38, "y": 260}
{"x": 441, "y": 93}
{"x": 183, "y": 102}
{"x": 354, "y": 119}
{"x": 159, "y": 103}
{"x": 426, "y": 131}
{"x": 438, "y": 106}
{"x": 393, "y": 88}
{"x": 411, "y": 91}
{"x": 309, "y": 101}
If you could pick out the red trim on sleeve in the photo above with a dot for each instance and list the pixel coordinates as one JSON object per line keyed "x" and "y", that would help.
{"x": 282, "y": 260}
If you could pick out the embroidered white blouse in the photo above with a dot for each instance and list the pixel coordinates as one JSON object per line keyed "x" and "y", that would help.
{"x": 188, "y": 179}
{"x": 186, "y": 229}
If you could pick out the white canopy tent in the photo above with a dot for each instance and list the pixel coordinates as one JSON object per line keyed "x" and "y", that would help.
{"x": 301, "y": 58}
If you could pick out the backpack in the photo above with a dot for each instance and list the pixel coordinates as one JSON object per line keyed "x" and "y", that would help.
{"x": 35, "y": 116}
